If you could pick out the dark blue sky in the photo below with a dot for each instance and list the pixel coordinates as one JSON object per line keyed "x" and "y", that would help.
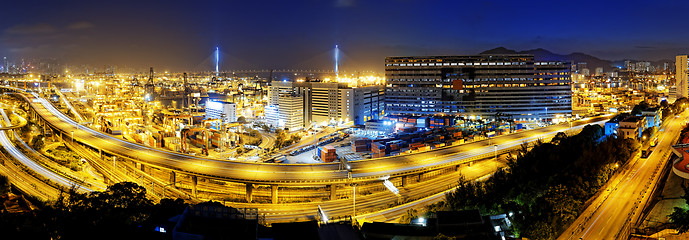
{"x": 180, "y": 35}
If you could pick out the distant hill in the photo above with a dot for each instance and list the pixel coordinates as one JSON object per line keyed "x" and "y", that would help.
{"x": 541, "y": 54}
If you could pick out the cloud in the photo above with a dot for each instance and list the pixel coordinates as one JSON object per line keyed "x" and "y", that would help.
{"x": 645, "y": 47}
{"x": 345, "y": 3}
{"x": 24, "y": 29}
{"x": 80, "y": 25}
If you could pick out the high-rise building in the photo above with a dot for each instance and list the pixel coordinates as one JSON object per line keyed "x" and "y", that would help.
{"x": 369, "y": 104}
{"x": 6, "y": 65}
{"x": 681, "y": 76}
{"x": 285, "y": 105}
{"x": 226, "y": 111}
{"x": 581, "y": 66}
{"x": 482, "y": 86}
{"x": 326, "y": 103}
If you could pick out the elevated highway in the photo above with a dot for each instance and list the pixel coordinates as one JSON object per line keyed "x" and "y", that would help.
{"x": 328, "y": 177}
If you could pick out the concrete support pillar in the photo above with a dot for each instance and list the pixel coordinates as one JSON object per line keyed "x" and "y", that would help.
{"x": 405, "y": 181}
{"x": 172, "y": 178}
{"x": 100, "y": 153}
{"x": 333, "y": 192}
{"x": 249, "y": 192}
{"x": 274, "y": 193}
{"x": 418, "y": 177}
{"x": 143, "y": 168}
{"x": 194, "y": 181}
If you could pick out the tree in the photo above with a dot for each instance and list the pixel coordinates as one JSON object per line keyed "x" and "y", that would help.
{"x": 558, "y": 137}
{"x": 639, "y": 107}
{"x": 408, "y": 216}
{"x": 562, "y": 203}
{"x": 280, "y": 138}
{"x": 441, "y": 236}
{"x": 253, "y": 133}
{"x": 5, "y": 185}
{"x": 37, "y": 142}
{"x": 241, "y": 119}
{"x": 680, "y": 216}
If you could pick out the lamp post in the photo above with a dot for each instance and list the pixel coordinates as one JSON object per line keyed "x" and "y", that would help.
{"x": 495, "y": 153}
{"x": 349, "y": 177}
{"x": 72, "y": 137}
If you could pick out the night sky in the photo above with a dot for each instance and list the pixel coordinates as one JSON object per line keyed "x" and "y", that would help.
{"x": 181, "y": 35}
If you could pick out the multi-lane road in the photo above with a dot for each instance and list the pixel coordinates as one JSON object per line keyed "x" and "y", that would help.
{"x": 28, "y": 162}
{"x": 318, "y": 174}
{"x": 625, "y": 194}
{"x": 289, "y": 173}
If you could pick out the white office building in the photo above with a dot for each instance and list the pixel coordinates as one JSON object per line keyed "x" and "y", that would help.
{"x": 226, "y": 111}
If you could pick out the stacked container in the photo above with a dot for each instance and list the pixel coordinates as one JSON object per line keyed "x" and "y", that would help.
{"x": 327, "y": 153}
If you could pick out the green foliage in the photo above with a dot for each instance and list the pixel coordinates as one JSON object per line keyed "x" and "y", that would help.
{"x": 639, "y": 107}
{"x": 254, "y": 133}
{"x": 37, "y": 142}
{"x": 241, "y": 119}
{"x": 546, "y": 186}
{"x": 122, "y": 211}
{"x": 408, "y": 216}
{"x": 680, "y": 216}
{"x": 280, "y": 139}
{"x": 440, "y": 236}
{"x": 5, "y": 185}
{"x": 675, "y": 108}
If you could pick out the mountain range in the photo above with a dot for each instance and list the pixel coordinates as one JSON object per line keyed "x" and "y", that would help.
{"x": 592, "y": 62}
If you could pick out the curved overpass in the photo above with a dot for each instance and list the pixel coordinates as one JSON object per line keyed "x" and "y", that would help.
{"x": 288, "y": 174}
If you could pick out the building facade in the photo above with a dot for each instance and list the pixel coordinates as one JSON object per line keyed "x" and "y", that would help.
{"x": 481, "y": 86}
{"x": 632, "y": 127}
{"x": 325, "y": 103}
{"x": 285, "y": 106}
{"x": 369, "y": 104}
{"x": 681, "y": 76}
{"x": 226, "y": 111}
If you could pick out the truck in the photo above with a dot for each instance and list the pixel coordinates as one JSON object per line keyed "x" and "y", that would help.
{"x": 654, "y": 142}
{"x": 646, "y": 152}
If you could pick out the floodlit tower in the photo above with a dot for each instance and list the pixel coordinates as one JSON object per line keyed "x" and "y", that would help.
{"x": 337, "y": 60}
{"x": 217, "y": 60}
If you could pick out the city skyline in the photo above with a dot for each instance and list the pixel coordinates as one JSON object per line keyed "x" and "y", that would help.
{"x": 181, "y": 37}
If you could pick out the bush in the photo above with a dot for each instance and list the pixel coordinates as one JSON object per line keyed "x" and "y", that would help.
{"x": 546, "y": 186}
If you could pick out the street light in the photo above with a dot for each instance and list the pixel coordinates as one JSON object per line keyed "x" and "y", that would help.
{"x": 72, "y": 137}
{"x": 495, "y": 151}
